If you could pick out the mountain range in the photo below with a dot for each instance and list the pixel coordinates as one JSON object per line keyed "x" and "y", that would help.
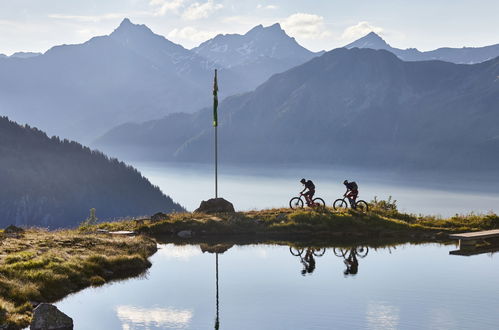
{"x": 465, "y": 55}
{"x": 349, "y": 107}
{"x": 54, "y": 183}
{"x": 81, "y": 91}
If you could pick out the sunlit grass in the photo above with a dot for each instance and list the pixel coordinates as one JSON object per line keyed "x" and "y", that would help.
{"x": 42, "y": 266}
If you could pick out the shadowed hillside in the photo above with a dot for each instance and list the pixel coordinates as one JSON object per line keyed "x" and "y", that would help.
{"x": 53, "y": 183}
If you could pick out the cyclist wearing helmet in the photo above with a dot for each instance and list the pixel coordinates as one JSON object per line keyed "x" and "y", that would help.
{"x": 352, "y": 192}
{"x": 311, "y": 190}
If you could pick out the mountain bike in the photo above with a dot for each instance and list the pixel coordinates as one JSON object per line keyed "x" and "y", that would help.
{"x": 342, "y": 204}
{"x": 315, "y": 251}
{"x": 358, "y": 251}
{"x": 297, "y": 202}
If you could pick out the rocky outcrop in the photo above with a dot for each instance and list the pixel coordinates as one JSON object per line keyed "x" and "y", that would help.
{"x": 49, "y": 317}
{"x": 215, "y": 205}
{"x": 159, "y": 216}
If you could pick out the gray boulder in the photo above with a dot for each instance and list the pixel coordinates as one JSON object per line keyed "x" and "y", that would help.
{"x": 215, "y": 205}
{"x": 48, "y": 317}
{"x": 13, "y": 230}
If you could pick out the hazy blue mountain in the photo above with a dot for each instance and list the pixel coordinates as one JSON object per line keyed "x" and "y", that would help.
{"x": 3, "y": 56}
{"x": 256, "y": 55}
{"x": 25, "y": 54}
{"x": 81, "y": 91}
{"x": 53, "y": 183}
{"x": 357, "y": 107}
{"x": 465, "y": 55}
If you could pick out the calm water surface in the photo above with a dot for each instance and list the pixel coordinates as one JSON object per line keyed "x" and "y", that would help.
{"x": 255, "y": 187}
{"x": 267, "y": 287}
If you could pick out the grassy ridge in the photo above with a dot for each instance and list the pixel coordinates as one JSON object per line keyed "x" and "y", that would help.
{"x": 41, "y": 266}
{"x": 383, "y": 220}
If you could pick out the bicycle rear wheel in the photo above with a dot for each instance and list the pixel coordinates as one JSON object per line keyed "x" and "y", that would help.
{"x": 362, "y": 206}
{"x": 340, "y": 205}
{"x": 319, "y": 252}
{"x": 319, "y": 203}
{"x": 296, "y": 203}
{"x": 361, "y": 251}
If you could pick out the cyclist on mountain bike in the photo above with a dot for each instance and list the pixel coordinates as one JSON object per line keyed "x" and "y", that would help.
{"x": 311, "y": 190}
{"x": 352, "y": 192}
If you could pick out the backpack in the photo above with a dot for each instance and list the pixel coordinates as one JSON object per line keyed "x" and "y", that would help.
{"x": 310, "y": 185}
{"x": 353, "y": 186}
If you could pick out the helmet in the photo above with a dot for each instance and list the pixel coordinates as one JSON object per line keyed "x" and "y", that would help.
{"x": 303, "y": 180}
{"x": 345, "y": 182}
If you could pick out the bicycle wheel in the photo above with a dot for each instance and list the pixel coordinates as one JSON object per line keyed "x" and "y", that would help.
{"x": 340, "y": 252}
{"x": 295, "y": 251}
{"x": 362, "y": 206}
{"x": 361, "y": 251}
{"x": 296, "y": 203}
{"x": 319, "y": 252}
{"x": 319, "y": 203}
{"x": 340, "y": 205}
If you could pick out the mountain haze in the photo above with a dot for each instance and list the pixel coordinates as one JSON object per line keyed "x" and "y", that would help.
{"x": 465, "y": 55}
{"x": 357, "y": 107}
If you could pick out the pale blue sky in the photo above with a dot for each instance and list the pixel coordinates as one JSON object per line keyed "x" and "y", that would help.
{"x": 37, "y": 25}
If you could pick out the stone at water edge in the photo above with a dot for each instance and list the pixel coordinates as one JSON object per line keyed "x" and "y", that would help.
{"x": 49, "y": 317}
{"x": 215, "y": 205}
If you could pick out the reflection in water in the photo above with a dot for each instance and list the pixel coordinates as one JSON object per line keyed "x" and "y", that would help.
{"x": 456, "y": 293}
{"x": 382, "y": 316}
{"x": 350, "y": 258}
{"x": 132, "y": 317}
{"x": 307, "y": 259}
{"x": 183, "y": 252}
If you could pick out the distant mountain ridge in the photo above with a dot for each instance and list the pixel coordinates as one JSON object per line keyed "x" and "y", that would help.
{"x": 465, "y": 55}
{"x": 357, "y": 107}
{"x": 132, "y": 75}
{"x": 53, "y": 183}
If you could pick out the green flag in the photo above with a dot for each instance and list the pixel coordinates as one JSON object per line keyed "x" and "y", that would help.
{"x": 215, "y": 101}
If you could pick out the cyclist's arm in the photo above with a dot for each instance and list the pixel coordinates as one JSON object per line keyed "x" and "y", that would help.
{"x": 301, "y": 192}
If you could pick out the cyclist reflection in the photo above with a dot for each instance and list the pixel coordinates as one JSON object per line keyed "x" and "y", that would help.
{"x": 307, "y": 258}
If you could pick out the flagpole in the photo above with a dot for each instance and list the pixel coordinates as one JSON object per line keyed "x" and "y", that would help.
{"x": 216, "y": 161}
{"x": 215, "y": 124}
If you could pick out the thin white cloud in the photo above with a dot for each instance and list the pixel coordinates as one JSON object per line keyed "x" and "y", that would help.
{"x": 164, "y": 6}
{"x": 96, "y": 18}
{"x": 307, "y": 26}
{"x": 270, "y": 7}
{"x": 199, "y": 10}
{"x": 359, "y": 30}
{"x": 132, "y": 317}
{"x": 190, "y": 33}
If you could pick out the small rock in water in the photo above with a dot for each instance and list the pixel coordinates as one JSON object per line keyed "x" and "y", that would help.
{"x": 215, "y": 205}
{"x": 49, "y": 317}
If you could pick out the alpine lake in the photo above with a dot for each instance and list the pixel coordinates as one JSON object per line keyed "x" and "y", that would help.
{"x": 355, "y": 285}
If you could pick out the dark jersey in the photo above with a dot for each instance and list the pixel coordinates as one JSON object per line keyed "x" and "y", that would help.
{"x": 352, "y": 186}
{"x": 309, "y": 185}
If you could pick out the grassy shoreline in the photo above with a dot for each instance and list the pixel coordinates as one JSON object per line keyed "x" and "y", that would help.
{"x": 286, "y": 224}
{"x": 41, "y": 266}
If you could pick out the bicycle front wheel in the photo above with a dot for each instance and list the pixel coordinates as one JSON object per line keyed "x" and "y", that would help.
{"x": 362, "y": 206}
{"x": 295, "y": 251}
{"x": 296, "y": 203}
{"x": 339, "y": 205}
